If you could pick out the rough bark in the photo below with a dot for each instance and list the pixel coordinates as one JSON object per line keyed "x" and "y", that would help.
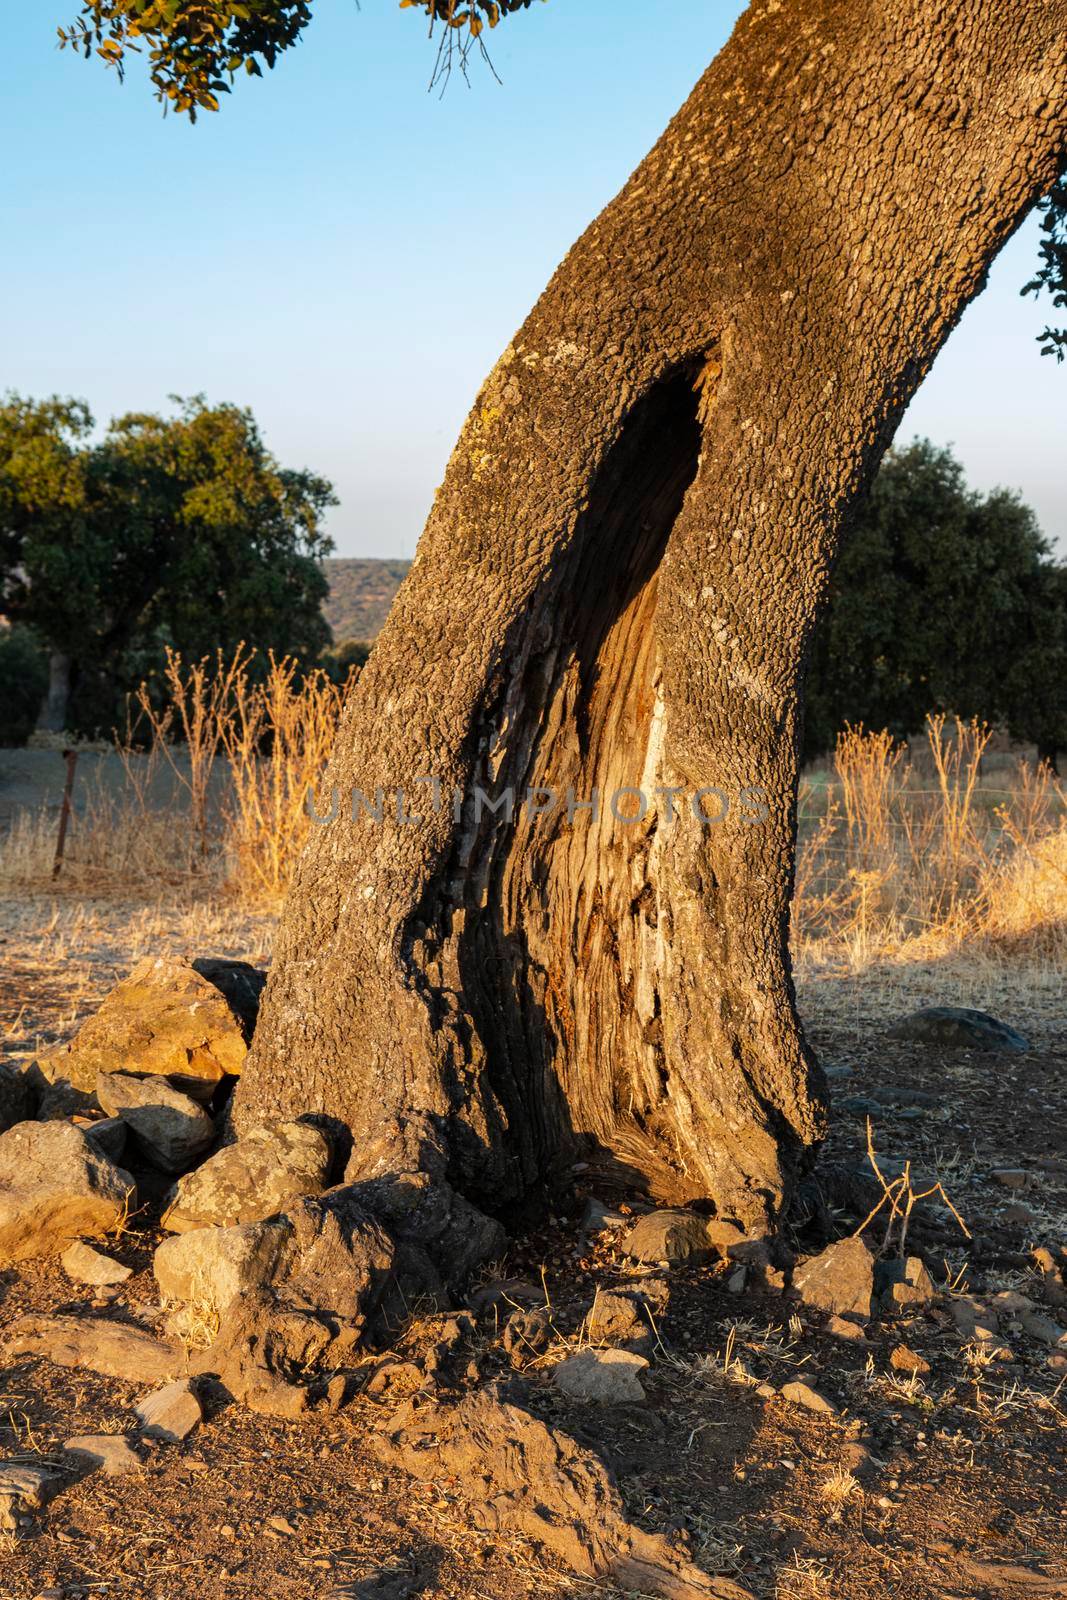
{"x": 616, "y": 587}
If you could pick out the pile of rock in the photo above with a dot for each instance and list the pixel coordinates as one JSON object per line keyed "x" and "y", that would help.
{"x": 136, "y": 1093}
{"x": 268, "y": 1250}
{"x": 285, "y": 1269}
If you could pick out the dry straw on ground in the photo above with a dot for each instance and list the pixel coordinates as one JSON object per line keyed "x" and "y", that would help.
{"x": 916, "y": 860}
{"x": 907, "y": 854}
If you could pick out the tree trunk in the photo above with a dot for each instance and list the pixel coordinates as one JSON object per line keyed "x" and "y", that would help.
{"x": 52, "y": 717}
{"x": 615, "y": 590}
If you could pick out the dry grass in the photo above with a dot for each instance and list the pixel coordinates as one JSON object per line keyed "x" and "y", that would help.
{"x": 918, "y": 860}
{"x": 907, "y": 857}
{"x": 213, "y": 791}
{"x": 62, "y": 954}
{"x": 839, "y": 1486}
{"x": 805, "y": 1578}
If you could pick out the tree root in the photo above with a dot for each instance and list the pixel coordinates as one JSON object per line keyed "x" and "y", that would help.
{"x": 98, "y": 1344}
{"x": 523, "y": 1476}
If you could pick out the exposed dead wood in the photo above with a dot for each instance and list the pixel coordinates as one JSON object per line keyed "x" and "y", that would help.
{"x": 113, "y": 1349}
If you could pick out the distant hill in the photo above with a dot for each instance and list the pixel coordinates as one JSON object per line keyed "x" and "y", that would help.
{"x": 361, "y": 592}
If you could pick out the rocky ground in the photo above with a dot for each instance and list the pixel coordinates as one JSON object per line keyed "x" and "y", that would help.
{"x": 811, "y": 1423}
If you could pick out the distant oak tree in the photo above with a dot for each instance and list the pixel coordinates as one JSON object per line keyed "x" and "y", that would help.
{"x": 178, "y": 530}
{"x": 942, "y": 600}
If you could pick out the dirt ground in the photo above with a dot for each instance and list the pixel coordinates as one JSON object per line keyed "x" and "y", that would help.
{"x": 947, "y": 1486}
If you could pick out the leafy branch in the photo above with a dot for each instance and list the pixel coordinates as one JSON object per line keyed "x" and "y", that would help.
{"x": 1051, "y": 276}
{"x": 196, "y": 48}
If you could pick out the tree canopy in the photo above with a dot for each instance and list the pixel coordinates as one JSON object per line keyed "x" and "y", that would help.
{"x": 197, "y": 48}
{"x": 943, "y": 600}
{"x": 179, "y": 530}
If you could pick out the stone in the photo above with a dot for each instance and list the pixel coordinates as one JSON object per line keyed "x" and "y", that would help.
{"x": 18, "y": 1098}
{"x": 839, "y": 1279}
{"x": 503, "y": 1295}
{"x": 171, "y": 1413}
{"x": 629, "y": 1315}
{"x": 670, "y": 1236}
{"x": 901, "y": 1359}
{"x": 527, "y": 1333}
{"x": 399, "y": 1177}
{"x": 241, "y": 985}
{"x": 336, "y": 1392}
{"x": 109, "y": 1453}
{"x": 857, "y": 1459}
{"x": 1010, "y": 1177}
{"x": 25, "y": 1489}
{"x": 209, "y": 1267}
{"x": 958, "y": 1028}
{"x": 727, "y": 1237}
{"x": 1052, "y": 1267}
{"x": 973, "y": 1319}
{"x": 171, "y": 1130}
{"x": 904, "y": 1283}
{"x": 265, "y": 1350}
{"x": 440, "y": 1235}
{"x": 85, "y": 1265}
{"x": 54, "y": 1188}
{"x": 252, "y": 1179}
{"x": 109, "y": 1136}
{"x": 1037, "y": 1326}
{"x": 325, "y": 1262}
{"x": 607, "y": 1377}
{"x": 845, "y": 1328}
{"x": 837, "y": 1072}
{"x": 1019, "y": 1216}
{"x": 1011, "y": 1302}
{"x": 97, "y": 1344}
{"x": 599, "y": 1218}
{"x": 762, "y": 1270}
{"x": 912, "y": 1099}
{"x": 1049, "y": 1261}
{"x": 60, "y": 1101}
{"x": 802, "y": 1394}
{"x": 341, "y": 1259}
{"x": 166, "y": 1019}
{"x": 859, "y": 1105}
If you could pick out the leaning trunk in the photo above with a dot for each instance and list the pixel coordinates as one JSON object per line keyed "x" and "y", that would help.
{"x": 612, "y": 604}
{"x": 52, "y": 717}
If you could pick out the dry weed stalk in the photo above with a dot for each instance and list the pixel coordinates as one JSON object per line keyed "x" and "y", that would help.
{"x": 277, "y": 742}
{"x": 868, "y": 768}
{"x": 199, "y": 709}
{"x": 901, "y": 1197}
{"x": 839, "y": 1486}
{"x": 211, "y": 786}
{"x": 893, "y": 867}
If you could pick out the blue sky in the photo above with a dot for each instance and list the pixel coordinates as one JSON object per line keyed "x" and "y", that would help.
{"x": 348, "y": 255}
